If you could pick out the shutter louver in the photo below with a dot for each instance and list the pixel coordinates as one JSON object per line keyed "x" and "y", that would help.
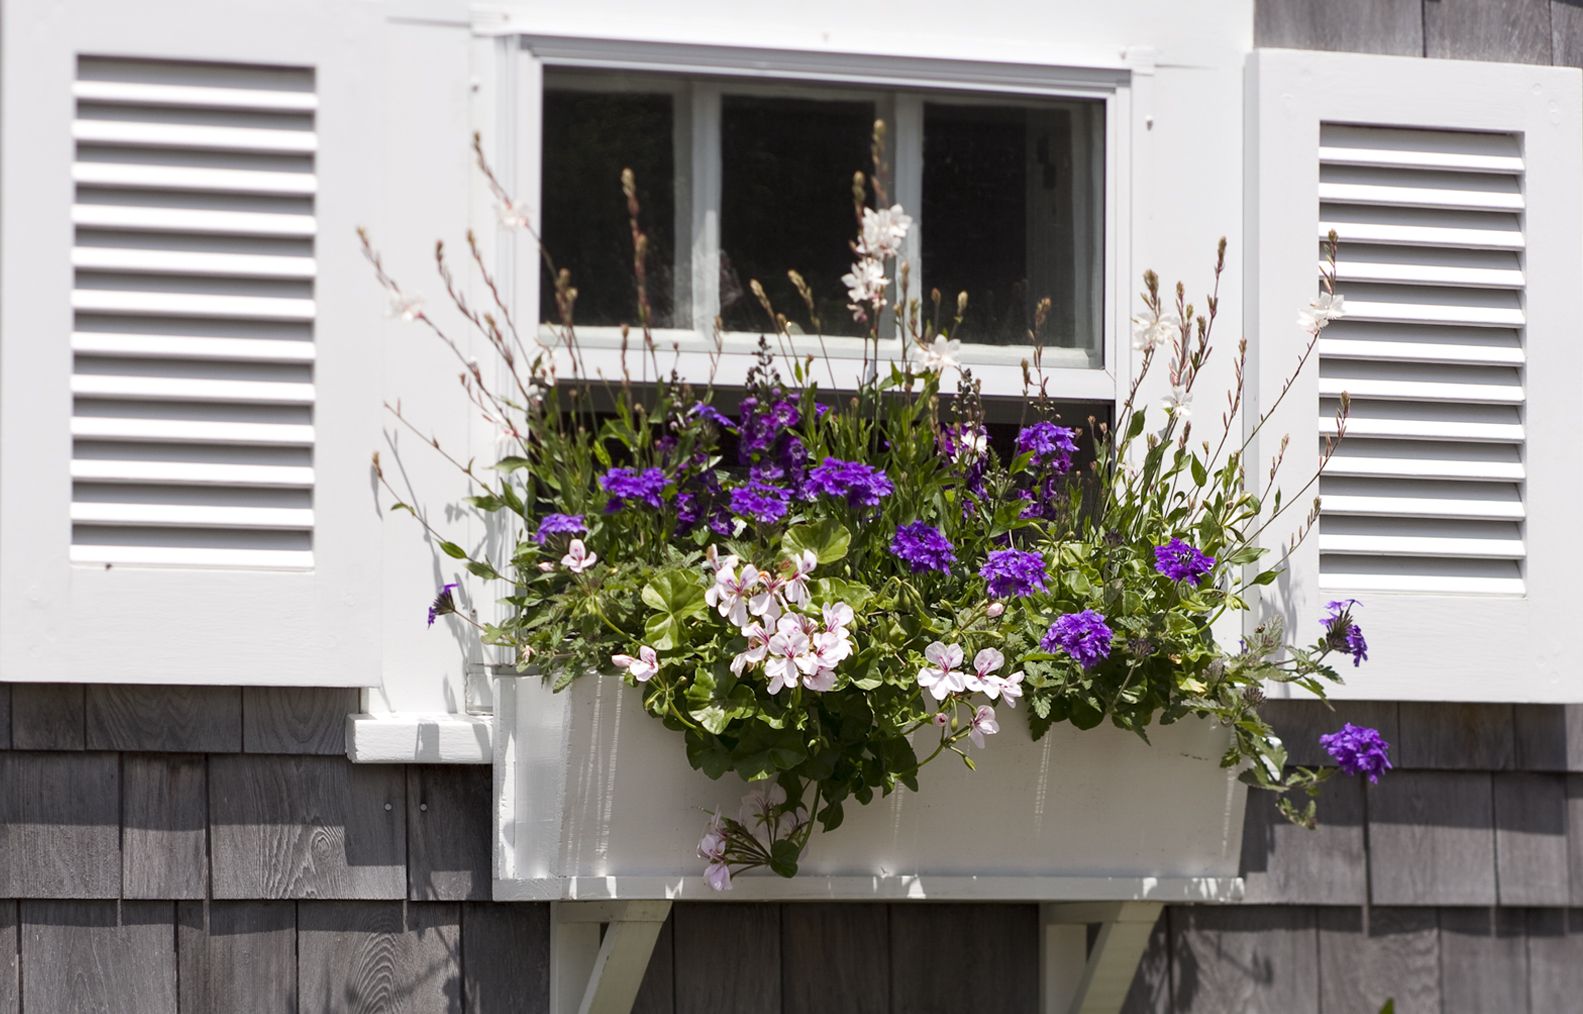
{"x": 1426, "y": 492}
{"x": 193, "y": 314}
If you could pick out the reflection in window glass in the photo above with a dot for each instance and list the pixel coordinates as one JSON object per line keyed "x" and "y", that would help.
{"x": 786, "y": 203}
{"x": 1011, "y": 213}
{"x": 589, "y": 137}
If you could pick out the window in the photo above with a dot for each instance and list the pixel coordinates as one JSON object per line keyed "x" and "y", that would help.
{"x": 740, "y": 181}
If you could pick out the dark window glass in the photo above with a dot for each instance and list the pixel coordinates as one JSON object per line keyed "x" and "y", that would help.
{"x": 589, "y": 137}
{"x": 1012, "y": 206}
{"x": 786, "y": 203}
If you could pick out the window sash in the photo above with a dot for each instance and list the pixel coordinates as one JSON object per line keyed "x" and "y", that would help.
{"x": 1088, "y": 372}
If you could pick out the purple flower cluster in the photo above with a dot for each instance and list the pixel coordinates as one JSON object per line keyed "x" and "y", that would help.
{"x": 443, "y": 604}
{"x": 713, "y": 415}
{"x": 1180, "y": 561}
{"x": 1013, "y": 573}
{"x": 559, "y": 524}
{"x": 763, "y": 424}
{"x": 860, "y": 484}
{"x": 1052, "y": 446}
{"x": 1085, "y": 636}
{"x": 921, "y": 547}
{"x": 1341, "y": 634}
{"x": 1358, "y": 750}
{"x": 628, "y": 486}
{"x": 760, "y": 501}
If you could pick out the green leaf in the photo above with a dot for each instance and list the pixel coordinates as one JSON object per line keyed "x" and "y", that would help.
{"x": 1200, "y": 473}
{"x": 828, "y": 539}
{"x": 783, "y": 857}
{"x": 828, "y": 590}
{"x": 483, "y": 570}
{"x": 512, "y": 463}
{"x": 676, "y": 592}
{"x": 1135, "y": 425}
{"x": 662, "y": 632}
{"x": 452, "y": 550}
{"x": 1268, "y": 577}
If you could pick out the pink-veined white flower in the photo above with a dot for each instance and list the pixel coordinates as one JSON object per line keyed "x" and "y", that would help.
{"x": 941, "y": 354}
{"x": 731, "y": 593}
{"x": 758, "y": 647}
{"x": 794, "y": 588}
{"x": 790, "y": 654}
{"x": 578, "y": 558}
{"x": 643, "y": 667}
{"x": 820, "y": 680}
{"x": 1007, "y": 688}
{"x": 718, "y": 876}
{"x": 831, "y": 648}
{"x": 717, "y": 560}
{"x": 836, "y": 616}
{"x": 883, "y": 230}
{"x": 944, "y": 676}
{"x": 759, "y": 809}
{"x": 941, "y": 719}
{"x": 984, "y": 724}
{"x": 984, "y": 663}
{"x": 767, "y": 601}
{"x": 712, "y": 849}
{"x": 1328, "y": 307}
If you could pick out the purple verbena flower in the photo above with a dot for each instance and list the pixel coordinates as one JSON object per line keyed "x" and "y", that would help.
{"x": 1341, "y": 634}
{"x": 1052, "y": 446}
{"x": 1358, "y": 750}
{"x": 862, "y": 485}
{"x": 628, "y": 486}
{"x": 1085, "y": 636}
{"x": 559, "y": 524}
{"x": 1180, "y": 561}
{"x": 760, "y": 501}
{"x": 1013, "y": 573}
{"x": 763, "y": 423}
{"x": 921, "y": 547}
{"x": 443, "y": 604}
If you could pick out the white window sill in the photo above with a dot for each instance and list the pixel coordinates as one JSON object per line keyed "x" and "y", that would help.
{"x": 410, "y": 738}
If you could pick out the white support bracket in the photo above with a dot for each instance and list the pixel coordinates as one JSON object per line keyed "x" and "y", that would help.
{"x": 1080, "y": 977}
{"x": 599, "y": 951}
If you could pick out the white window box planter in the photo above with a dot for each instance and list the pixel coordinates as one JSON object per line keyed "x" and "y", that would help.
{"x": 596, "y": 802}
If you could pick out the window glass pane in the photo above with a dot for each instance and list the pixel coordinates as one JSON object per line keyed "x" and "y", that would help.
{"x": 589, "y": 137}
{"x": 786, "y": 203}
{"x": 1013, "y": 203}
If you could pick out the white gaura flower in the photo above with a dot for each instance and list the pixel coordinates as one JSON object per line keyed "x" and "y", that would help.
{"x": 883, "y": 230}
{"x": 984, "y": 663}
{"x": 794, "y": 588}
{"x": 405, "y": 307}
{"x": 941, "y": 354}
{"x": 643, "y": 667}
{"x": 758, "y": 647}
{"x": 836, "y": 616}
{"x": 1179, "y": 403}
{"x": 984, "y": 724}
{"x": 578, "y": 558}
{"x": 791, "y": 654}
{"x": 865, "y": 283}
{"x": 513, "y": 215}
{"x": 1328, "y": 307}
{"x": 943, "y": 677}
{"x": 1150, "y": 331}
{"x": 1007, "y": 688}
{"x": 731, "y": 593}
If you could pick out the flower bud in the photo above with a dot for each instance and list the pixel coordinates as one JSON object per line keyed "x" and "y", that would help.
{"x": 995, "y": 609}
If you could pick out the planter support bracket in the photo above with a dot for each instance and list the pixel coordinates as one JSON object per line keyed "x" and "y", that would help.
{"x": 1088, "y": 972}
{"x": 599, "y": 973}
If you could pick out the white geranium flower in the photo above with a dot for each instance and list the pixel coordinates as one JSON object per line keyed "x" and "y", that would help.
{"x": 758, "y": 809}
{"x": 791, "y": 655}
{"x": 883, "y": 230}
{"x": 1328, "y": 307}
{"x": 794, "y": 589}
{"x": 717, "y": 560}
{"x": 643, "y": 667}
{"x": 767, "y": 601}
{"x": 941, "y": 354}
{"x": 758, "y": 647}
{"x": 836, "y": 616}
{"x": 731, "y": 594}
{"x": 984, "y": 724}
{"x": 578, "y": 558}
{"x": 984, "y": 663}
{"x": 943, "y": 677}
{"x": 1006, "y": 688}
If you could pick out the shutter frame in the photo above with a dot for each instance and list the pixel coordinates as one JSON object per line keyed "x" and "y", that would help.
{"x": 61, "y": 621}
{"x": 1424, "y": 645}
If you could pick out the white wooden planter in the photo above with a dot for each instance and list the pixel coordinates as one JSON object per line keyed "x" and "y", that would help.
{"x": 596, "y": 802}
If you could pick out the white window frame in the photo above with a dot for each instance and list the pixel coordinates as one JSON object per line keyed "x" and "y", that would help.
{"x": 1423, "y": 646}
{"x": 999, "y": 367}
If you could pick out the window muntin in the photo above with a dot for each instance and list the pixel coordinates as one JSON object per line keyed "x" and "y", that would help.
{"x": 749, "y": 200}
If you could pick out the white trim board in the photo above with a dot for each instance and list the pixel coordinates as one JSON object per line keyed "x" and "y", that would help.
{"x": 405, "y": 738}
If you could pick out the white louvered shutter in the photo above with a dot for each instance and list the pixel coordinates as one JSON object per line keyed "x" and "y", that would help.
{"x": 1456, "y": 190}
{"x": 189, "y": 394}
